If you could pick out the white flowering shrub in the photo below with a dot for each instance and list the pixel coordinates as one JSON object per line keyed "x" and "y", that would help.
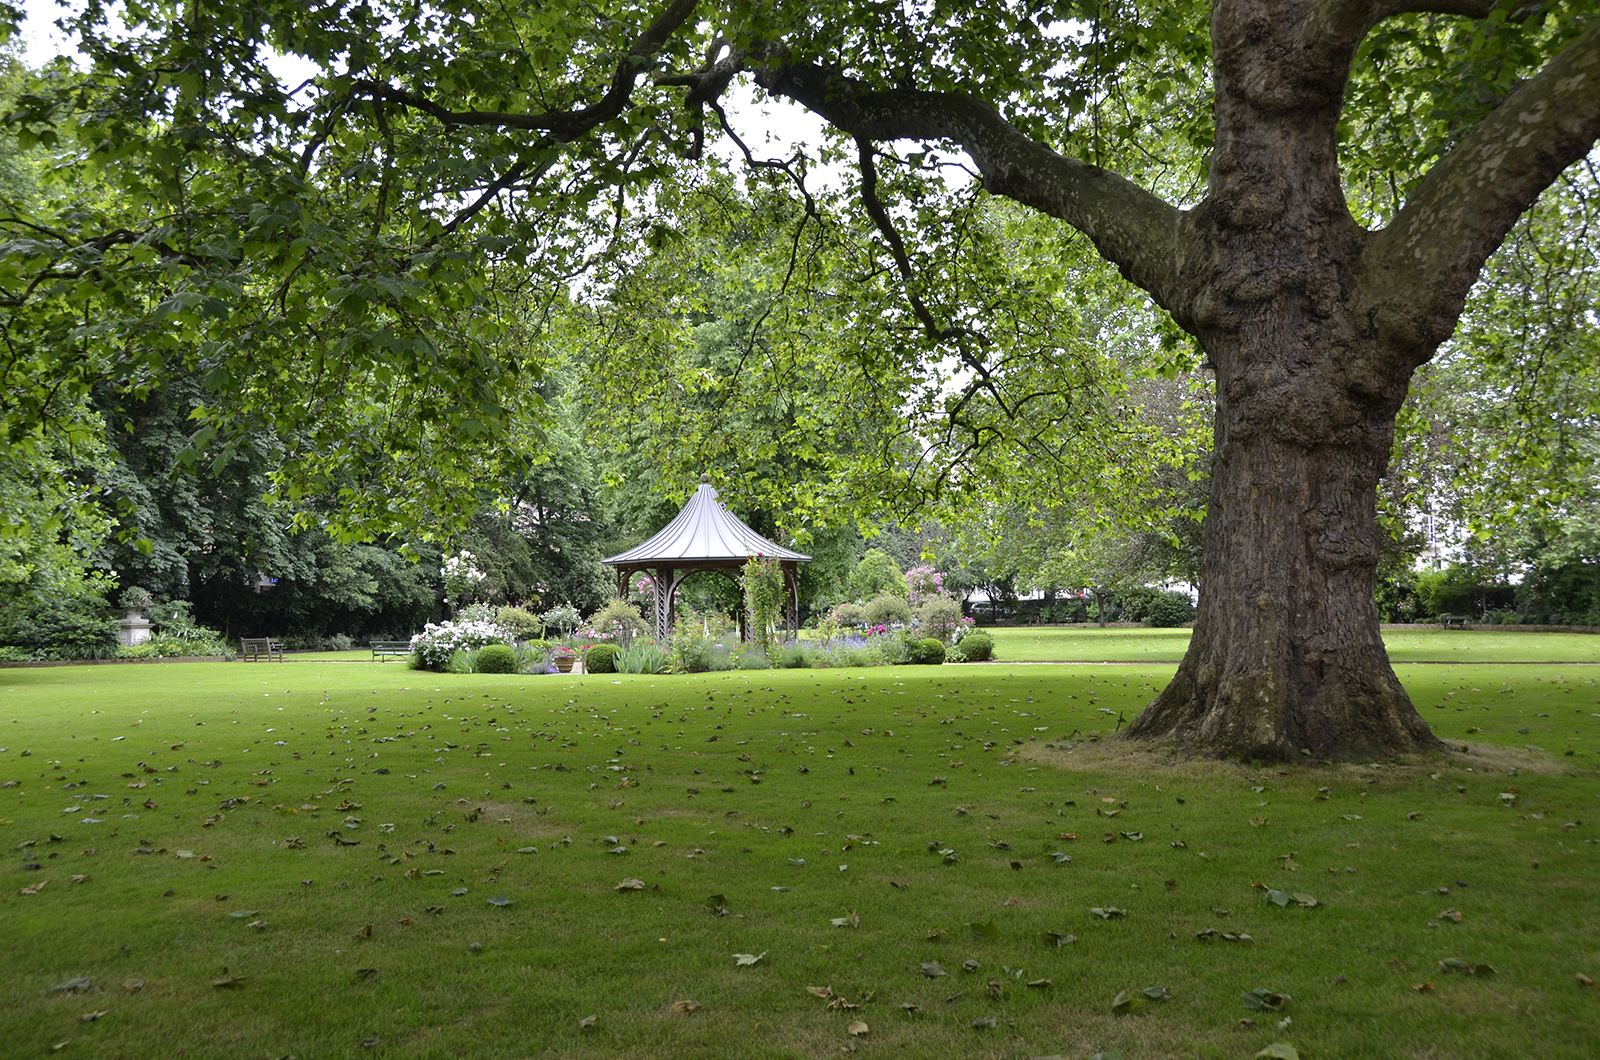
{"x": 461, "y": 575}
{"x": 433, "y": 647}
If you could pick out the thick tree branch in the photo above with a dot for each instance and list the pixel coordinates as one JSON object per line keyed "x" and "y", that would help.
{"x": 1418, "y": 270}
{"x": 1131, "y": 228}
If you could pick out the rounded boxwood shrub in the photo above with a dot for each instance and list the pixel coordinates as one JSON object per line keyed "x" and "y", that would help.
{"x": 601, "y": 659}
{"x": 928, "y": 651}
{"x": 977, "y": 646}
{"x": 497, "y": 659}
{"x": 886, "y": 610}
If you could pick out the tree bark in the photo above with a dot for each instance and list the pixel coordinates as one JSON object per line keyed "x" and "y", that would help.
{"x": 1286, "y": 656}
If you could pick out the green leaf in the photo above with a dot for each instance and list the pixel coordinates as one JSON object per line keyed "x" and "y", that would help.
{"x": 1126, "y": 1001}
{"x": 745, "y": 960}
{"x": 1279, "y": 1051}
{"x": 1263, "y": 1000}
{"x": 989, "y": 930}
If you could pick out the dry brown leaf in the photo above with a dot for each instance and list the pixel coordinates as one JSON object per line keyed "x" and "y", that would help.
{"x": 823, "y": 992}
{"x": 857, "y": 1028}
{"x": 685, "y": 1006}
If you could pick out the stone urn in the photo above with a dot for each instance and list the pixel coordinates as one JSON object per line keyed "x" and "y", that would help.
{"x": 133, "y": 628}
{"x": 565, "y": 662}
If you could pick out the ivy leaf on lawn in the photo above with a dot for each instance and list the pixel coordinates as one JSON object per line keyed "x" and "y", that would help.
{"x": 630, "y": 884}
{"x": 588, "y": 1022}
{"x": 1126, "y": 1001}
{"x": 851, "y": 921}
{"x": 1110, "y": 912}
{"x": 501, "y": 901}
{"x": 1061, "y": 859}
{"x": 1279, "y": 1051}
{"x": 1456, "y": 964}
{"x": 989, "y": 930}
{"x": 932, "y": 969}
{"x": 1281, "y": 899}
{"x": 744, "y": 960}
{"x": 1157, "y": 993}
{"x": 1060, "y": 938}
{"x": 1263, "y": 1000}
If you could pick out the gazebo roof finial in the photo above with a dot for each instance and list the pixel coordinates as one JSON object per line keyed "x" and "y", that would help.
{"x": 705, "y": 478}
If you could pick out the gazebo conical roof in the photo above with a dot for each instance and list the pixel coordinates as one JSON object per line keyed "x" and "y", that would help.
{"x": 704, "y": 530}
{"x": 703, "y": 536}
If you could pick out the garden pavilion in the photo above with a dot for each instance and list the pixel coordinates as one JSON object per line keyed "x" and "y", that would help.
{"x": 703, "y": 536}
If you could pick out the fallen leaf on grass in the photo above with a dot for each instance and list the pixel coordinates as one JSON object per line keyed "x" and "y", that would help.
{"x": 366, "y": 974}
{"x": 240, "y": 914}
{"x": 79, "y": 878}
{"x": 1040, "y": 984}
{"x": 1283, "y": 898}
{"x": 1450, "y": 914}
{"x": 1126, "y": 1001}
{"x": 1584, "y": 980}
{"x": 1279, "y": 1051}
{"x": 988, "y": 930}
{"x": 1060, "y": 938}
{"x": 501, "y": 901}
{"x": 79, "y": 985}
{"x": 685, "y": 1006}
{"x": 588, "y": 1022}
{"x": 745, "y": 960}
{"x": 932, "y": 969}
{"x": 630, "y": 884}
{"x": 90, "y": 1017}
{"x": 1110, "y": 912}
{"x": 35, "y": 889}
{"x": 970, "y": 965}
{"x": 910, "y": 1008}
{"x": 824, "y": 992}
{"x": 1456, "y": 964}
{"x": 133, "y": 986}
{"x": 985, "y": 1022}
{"x": 851, "y": 921}
{"x": 227, "y": 982}
{"x": 371, "y": 1043}
{"x": 857, "y": 1028}
{"x": 1423, "y": 988}
{"x": 1263, "y": 1000}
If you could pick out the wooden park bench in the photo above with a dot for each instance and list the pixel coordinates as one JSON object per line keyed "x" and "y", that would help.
{"x": 1454, "y": 621}
{"x": 253, "y": 648}
{"x": 385, "y": 649}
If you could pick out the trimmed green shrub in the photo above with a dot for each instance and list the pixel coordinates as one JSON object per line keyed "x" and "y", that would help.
{"x": 847, "y": 615}
{"x": 601, "y": 659}
{"x": 939, "y": 616}
{"x": 929, "y": 651}
{"x": 497, "y": 659}
{"x": 977, "y": 646}
{"x": 1156, "y": 607}
{"x": 518, "y": 624}
{"x": 618, "y": 620}
{"x": 886, "y": 609}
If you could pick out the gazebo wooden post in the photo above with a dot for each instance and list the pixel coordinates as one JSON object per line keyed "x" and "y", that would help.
{"x": 662, "y": 605}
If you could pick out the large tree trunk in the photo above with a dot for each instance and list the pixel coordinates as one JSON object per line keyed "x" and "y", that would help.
{"x": 1286, "y": 656}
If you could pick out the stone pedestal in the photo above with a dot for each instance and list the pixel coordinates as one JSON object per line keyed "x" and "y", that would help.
{"x": 134, "y": 629}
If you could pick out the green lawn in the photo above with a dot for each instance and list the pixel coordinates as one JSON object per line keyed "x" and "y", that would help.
{"x": 1092, "y": 644}
{"x": 756, "y": 809}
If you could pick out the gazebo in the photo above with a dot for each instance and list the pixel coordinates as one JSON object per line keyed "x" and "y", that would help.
{"x": 703, "y": 536}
